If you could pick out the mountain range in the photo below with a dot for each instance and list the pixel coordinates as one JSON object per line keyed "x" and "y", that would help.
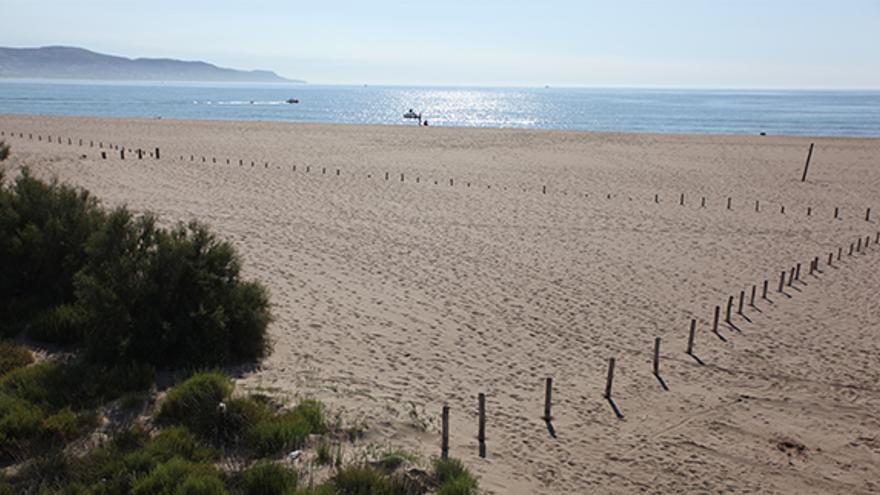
{"x": 67, "y": 62}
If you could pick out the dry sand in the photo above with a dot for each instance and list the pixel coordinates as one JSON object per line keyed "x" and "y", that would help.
{"x": 393, "y": 297}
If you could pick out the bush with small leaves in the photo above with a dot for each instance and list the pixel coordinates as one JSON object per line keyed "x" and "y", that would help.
{"x": 268, "y": 478}
{"x": 181, "y": 477}
{"x": 13, "y": 356}
{"x": 453, "y": 478}
{"x": 195, "y": 402}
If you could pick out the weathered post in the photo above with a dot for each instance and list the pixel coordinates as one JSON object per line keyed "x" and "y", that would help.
{"x": 103, "y": 155}
{"x": 657, "y": 356}
{"x": 797, "y": 273}
{"x": 703, "y": 202}
{"x": 807, "y": 165}
{"x": 728, "y": 202}
{"x": 610, "y": 380}
{"x": 543, "y": 189}
{"x": 729, "y": 308}
{"x": 444, "y": 445}
{"x": 122, "y": 154}
{"x": 830, "y": 259}
{"x": 752, "y": 299}
{"x": 757, "y": 206}
{"x": 859, "y": 246}
{"x": 791, "y": 278}
{"x": 766, "y": 283}
{"x": 715, "y": 320}
{"x": 742, "y": 297}
{"x": 548, "y": 397}
{"x": 809, "y": 210}
{"x": 782, "y": 281}
{"x": 868, "y": 215}
{"x": 481, "y": 428}
{"x": 681, "y": 201}
{"x": 690, "y": 348}
{"x": 836, "y": 212}
{"x": 157, "y": 155}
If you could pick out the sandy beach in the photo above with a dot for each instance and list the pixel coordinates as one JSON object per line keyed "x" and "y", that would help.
{"x": 415, "y": 267}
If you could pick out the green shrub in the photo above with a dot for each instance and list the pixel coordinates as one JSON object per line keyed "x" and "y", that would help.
{"x": 13, "y": 356}
{"x": 62, "y": 324}
{"x": 48, "y": 404}
{"x": 124, "y": 289}
{"x": 288, "y": 430}
{"x": 195, "y": 402}
{"x": 362, "y": 481}
{"x": 268, "y": 478}
{"x": 54, "y": 385}
{"x": 176, "y": 475}
{"x": 20, "y": 423}
{"x": 390, "y": 461}
{"x": 453, "y": 478}
{"x": 168, "y": 297}
{"x": 324, "y": 455}
{"x": 43, "y": 233}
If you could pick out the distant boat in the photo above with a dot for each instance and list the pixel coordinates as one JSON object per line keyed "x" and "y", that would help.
{"x": 291, "y": 101}
{"x": 412, "y": 115}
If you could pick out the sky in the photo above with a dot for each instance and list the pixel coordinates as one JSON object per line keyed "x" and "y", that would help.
{"x": 623, "y": 43}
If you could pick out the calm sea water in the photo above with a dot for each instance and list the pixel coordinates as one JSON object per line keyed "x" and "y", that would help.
{"x": 821, "y": 113}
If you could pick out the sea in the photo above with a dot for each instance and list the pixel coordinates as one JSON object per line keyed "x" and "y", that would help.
{"x": 693, "y": 111}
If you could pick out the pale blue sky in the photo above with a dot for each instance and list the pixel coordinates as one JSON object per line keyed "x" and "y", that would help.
{"x": 672, "y": 43}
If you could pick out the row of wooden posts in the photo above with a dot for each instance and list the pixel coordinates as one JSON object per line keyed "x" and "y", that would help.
{"x": 787, "y": 279}
{"x": 100, "y": 145}
{"x": 156, "y": 154}
{"x": 682, "y": 202}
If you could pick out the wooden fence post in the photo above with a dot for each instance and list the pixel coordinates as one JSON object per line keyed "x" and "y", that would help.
{"x": 729, "y": 308}
{"x": 807, "y": 165}
{"x": 690, "y": 348}
{"x": 548, "y": 398}
{"x": 610, "y": 380}
{"x": 766, "y": 283}
{"x": 782, "y": 281}
{"x": 444, "y": 446}
{"x": 657, "y": 356}
{"x": 481, "y": 429}
{"x": 715, "y": 320}
{"x": 752, "y": 299}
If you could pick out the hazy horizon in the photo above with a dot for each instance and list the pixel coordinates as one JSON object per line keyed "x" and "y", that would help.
{"x": 684, "y": 44}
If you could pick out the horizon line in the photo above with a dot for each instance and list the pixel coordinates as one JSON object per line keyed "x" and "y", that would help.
{"x": 301, "y": 83}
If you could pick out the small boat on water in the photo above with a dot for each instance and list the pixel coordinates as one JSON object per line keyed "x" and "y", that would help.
{"x": 412, "y": 115}
{"x": 291, "y": 101}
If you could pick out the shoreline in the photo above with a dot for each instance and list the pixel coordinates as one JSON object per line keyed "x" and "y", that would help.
{"x": 444, "y": 127}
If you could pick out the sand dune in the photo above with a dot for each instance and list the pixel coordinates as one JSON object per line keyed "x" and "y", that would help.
{"x": 394, "y": 296}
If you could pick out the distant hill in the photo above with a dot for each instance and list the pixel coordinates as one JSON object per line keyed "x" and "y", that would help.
{"x": 67, "y": 62}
